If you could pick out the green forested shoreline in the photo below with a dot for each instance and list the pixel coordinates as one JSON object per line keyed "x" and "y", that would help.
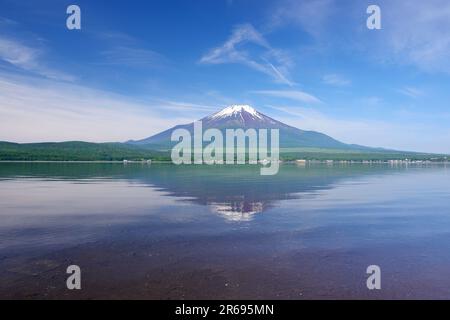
{"x": 75, "y": 151}
{"x": 86, "y": 151}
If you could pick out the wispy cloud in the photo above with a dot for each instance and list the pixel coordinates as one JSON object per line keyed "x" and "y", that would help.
{"x": 29, "y": 59}
{"x": 311, "y": 16}
{"x": 273, "y": 62}
{"x": 411, "y": 92}
{"x": 115, "y": 37}
{"x": 418, "y": 34}
{"x": 336, "y": 80}
{"x": 7, "y": 22}
{"x": 370, "y": 132}
{"x": 132, "y": 57}
{"x": 372, "y": 101}
{"x": 125, "y": 50}
{"x": 415, "y": 34}
{"x": 182, "y": 105}
{"x": 296, "y": 95}
{"x": 45, "y": 110}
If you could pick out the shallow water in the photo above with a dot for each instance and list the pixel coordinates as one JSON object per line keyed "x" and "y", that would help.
{"x": 164, "y": 232}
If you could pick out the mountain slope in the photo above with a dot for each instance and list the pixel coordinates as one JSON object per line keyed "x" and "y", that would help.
{"x": 246, "y": 117}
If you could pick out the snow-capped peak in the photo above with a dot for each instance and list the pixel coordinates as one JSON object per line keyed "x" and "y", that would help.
{"x": 236, "y": 109}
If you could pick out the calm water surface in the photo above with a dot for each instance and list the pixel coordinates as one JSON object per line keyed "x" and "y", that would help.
{"x": 168, "y": 232}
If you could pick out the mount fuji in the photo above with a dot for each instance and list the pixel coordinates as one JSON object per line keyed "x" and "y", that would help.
{"x": 294, "y": 143}
{"x": 246, "y": 117}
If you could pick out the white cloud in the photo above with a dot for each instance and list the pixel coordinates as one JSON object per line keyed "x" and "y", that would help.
{"x": 296, "y": 95}
{"x": 409, "y": 136}
{"x": 371, "y": 101}
{"x": 132, "y": 57}
{"x": 44, "y": 110}
{"x": 7, "y": 22}
{"x": 417, "y": 33}
{"x": 311, "y": 16}
{"x": 28, "y": 59}
{"x": 411, "y": 92}
{"x": 336, "y": 80}
{"x": 180, "y": 105}
{"x": 271, "y": 61}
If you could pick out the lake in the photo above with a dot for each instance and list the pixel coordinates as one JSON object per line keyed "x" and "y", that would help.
{"x": 162, "y": 231}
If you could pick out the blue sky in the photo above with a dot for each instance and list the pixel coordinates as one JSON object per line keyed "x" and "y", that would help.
{"x": 138, "y": 67}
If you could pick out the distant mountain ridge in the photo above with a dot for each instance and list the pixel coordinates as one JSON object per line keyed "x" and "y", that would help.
{"x": 246, "y": 117}
{"x": 295, "y": 144}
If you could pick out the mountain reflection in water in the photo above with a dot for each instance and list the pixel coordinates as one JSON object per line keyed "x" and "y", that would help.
{"x": 236, "y": 193}
{"x": 161, "y": 231}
